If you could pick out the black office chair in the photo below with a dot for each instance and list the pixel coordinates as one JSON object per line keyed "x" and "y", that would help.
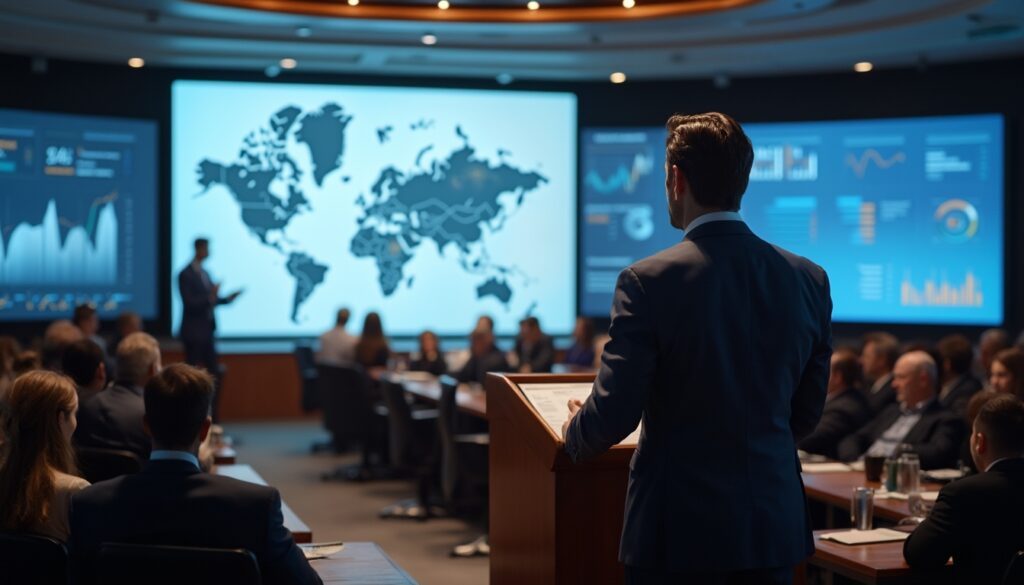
{"x": 350, "y": 416}
{"x": 1014, "y": 574}
{"x": 131, "y": 564}
{"x": 463, "y": 455}
{"x": 307, "y": 376}
{"x": 30, "y": 559}
{"x": 98, "y": 464}
{"x": 412, "y": 446}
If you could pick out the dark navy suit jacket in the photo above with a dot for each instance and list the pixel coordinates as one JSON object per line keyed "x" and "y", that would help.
{"x": 112, "y": 419}
{"x": 173, "y": 503}
{"x": 722, "y": 344}
{"x": 197, "y": 320}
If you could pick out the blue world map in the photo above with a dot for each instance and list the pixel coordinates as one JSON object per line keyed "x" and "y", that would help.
{"x": 450, "y": 203}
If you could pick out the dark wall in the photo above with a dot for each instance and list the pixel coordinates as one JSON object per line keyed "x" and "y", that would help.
{"x": 987, "y": 87}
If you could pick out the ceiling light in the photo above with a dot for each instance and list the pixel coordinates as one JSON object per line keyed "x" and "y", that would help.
{"x": 136, "y": 62}
{"x": 353, "y": 2}
{"x": 617, "y": 77}
{"x": 533, "y": 5}
{"x": 443, "y": 4}
{"x": 429, "y": 39}
{"x": 287, "y": 63}
{"x": 628, "y": 3}
{"x": 863, "y": 67}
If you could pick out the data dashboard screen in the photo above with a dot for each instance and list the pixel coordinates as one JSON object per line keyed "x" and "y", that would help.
{"x": 78, "y": 215}
{"x": 905, "y": 215}
{"x": 429, "y": 206}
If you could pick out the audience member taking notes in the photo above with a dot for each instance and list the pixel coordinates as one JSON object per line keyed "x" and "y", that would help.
{"x": 978, "y": 520}
{"x": 173, "y": 502}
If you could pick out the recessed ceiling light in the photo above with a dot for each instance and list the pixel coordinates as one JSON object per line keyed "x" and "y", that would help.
{"x": 628, "y": 3}
{"x": 617, "y": 77}
{"x": 353, "y": 2}
{"x": 443, "y": 4}
{"x": 136, "y": 62}
{"x": 533, "y": 5}
{"x": 428, "y": 39}
{"x": 287, "y": 63}
{"x": 863, "y": 67}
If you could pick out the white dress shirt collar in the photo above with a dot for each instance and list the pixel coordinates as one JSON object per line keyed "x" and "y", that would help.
{"x": 714, "y": 216}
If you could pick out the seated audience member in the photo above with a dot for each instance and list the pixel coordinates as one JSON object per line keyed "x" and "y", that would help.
{"x": 581, "y": 353}
{"x": 484, "y": 356}
{"x": 338, "y": 346}
{"x": 58, "y": 336}
{"x": 1006, "y": 372}
{"x": 958, "y": 383}
{"x": 26, "y": 361}
{"x": 37, "y": 475}
{"x": 83, "y": 363}
{"x": 846, "y": 408}
{"x": 87, "y": 320}
{"x": 127, "y": 323}
{"x": 991, "y": 342}
{"x": 977, "y": 520}
{"x": 172, "y": 502}
{"x": 534, "y": 349}
{"x": 372, "y": 349}
{"x": 112, "y": 419}
{"x": 918, "y": 419}
{"x": 877, "y": 358}
{"x": 484, "y": 322}
{"x": 430, "y": 359}
{"x": 9, "y": 350}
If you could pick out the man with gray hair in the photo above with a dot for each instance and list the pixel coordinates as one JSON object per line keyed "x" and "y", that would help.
{"x": 112, "y": 418}
{"x": 918, "y": 419}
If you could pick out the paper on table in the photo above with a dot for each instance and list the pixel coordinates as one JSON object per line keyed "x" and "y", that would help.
{"x": 832, "y": 467}
{"x": 926, "y": 496}
{"x": 550, "y": 400}
{"x": 321, "y": 550}
{"x": 866, "y": 536}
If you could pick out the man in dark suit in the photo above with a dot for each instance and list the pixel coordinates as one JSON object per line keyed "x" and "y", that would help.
{"x": 918, "y": 419}
{"x": 484, "y": 357}
{"x": 112, "y": 418}
{"x": 977, "y": 520}
{"x": 199, "y": 297}
{"x": 846, "y": 408}
{"x": 172, "y": 502}
{"x": 877, "y": 358}
{"x": 535, "y": 350}
{"x": 958, "y": 383}
{"x": 721, "y": 345}
{"x": 83, "y": 361}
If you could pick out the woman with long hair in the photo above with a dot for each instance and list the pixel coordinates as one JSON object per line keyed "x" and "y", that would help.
{"x": 36, "y": 463}
{"x": 1007, "y": 372}
{"x": 372, "y": 349}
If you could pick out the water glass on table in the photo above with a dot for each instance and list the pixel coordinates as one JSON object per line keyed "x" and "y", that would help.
{"x": 862, "y": 508}
{"x": 908, "y": 474}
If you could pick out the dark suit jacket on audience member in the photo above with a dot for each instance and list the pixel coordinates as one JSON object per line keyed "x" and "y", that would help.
{"x": 173, "y": 503}
{"x": 880, "y": 400}
{"x": 844, "y": 414}
{"x": 978, "y": 520}
{"x": 477, "y": 367}
{"x": 112, "y": 419}
{"x": 936, "y": 437}
{"x": 722, "y": 344}
{"x": 960, "y": 394}
{"x": 540, "y": 355}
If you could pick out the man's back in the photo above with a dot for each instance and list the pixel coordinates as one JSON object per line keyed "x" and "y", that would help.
{"x": 732, "y": 337}
{"x": 173, "y": 503}
{"x": 112, "y": 419}
{"x": 979, "y": 520}
{"x": 337, "y": 347}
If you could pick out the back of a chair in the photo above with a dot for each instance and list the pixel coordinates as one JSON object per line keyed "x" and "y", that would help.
{"x": 130, "y": 564}
{"x": 306, "y": 364}
{"x": 345, "y": 399}
{"x": 1015, "y": 570}
{"x": 400, "y": 424}
{"x": 446, "y": 410}
{"x": 32, "y": 560}
{"x": 98, "y": 464}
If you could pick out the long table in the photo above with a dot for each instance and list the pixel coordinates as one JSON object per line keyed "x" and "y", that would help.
{"x": 835, "y": 489}
{"x": 469, "y": 401}
{"x": 300, "y": 531}
{"x": 361, "y": 563}
{"x": 873, "y": 564}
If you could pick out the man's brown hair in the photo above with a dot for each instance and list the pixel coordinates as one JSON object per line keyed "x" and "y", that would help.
{"x": 177, "y": 403}
{"x": 714, "y": 154}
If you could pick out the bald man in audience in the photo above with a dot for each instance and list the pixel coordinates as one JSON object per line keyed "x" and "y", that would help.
{"x": 846, "y": 408}
{"x": 918, "y": 419}
{"x": 978, "y": 520}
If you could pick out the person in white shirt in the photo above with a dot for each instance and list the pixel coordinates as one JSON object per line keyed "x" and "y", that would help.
{"x": 338, "y": 346}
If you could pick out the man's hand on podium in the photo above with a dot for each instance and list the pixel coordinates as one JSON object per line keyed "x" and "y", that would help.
{"x": 574, "y": 407}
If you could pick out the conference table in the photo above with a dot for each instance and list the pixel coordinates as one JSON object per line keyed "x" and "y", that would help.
{"x": 242, "y": 472}
{"x": 834, "y": 489}
{"x": 469, "y": 399}
{"x": 363, "y": 563}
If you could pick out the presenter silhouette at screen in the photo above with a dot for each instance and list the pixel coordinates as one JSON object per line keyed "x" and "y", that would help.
{"x": 199, "y": 297}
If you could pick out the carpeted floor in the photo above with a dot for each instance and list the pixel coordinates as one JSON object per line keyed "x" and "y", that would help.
{"x": 348, "y": 511}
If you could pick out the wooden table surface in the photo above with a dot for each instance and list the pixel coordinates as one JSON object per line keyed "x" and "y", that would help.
{"x": 873, "y": 563}
{"x": 470, "y": 401}
{"x": 361, "y": 563}
{"x": 835, "y": 489}
{"x": 300, "y": 531}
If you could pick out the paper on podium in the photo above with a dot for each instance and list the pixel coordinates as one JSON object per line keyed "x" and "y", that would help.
{"x": 551, "y": 400}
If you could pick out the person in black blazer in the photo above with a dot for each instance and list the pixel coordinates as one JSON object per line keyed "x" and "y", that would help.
{"x": 846, "y": 408}
{"x": 877, "y": 358}
{"x": 958, "y": 383}
{"x": 172, "y": 502}
{"x": 535, "y": 350}
{"x": 934, "y": 432}
{"x": 112, "y": 418}
{"x": 430, "y": 358}
{"x": 978, "y": 520}
{"x": 484, "y": 357}
{"x": 721, "y": 346}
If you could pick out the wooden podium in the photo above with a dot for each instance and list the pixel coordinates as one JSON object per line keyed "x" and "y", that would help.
{"x": 551, "y": 521}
